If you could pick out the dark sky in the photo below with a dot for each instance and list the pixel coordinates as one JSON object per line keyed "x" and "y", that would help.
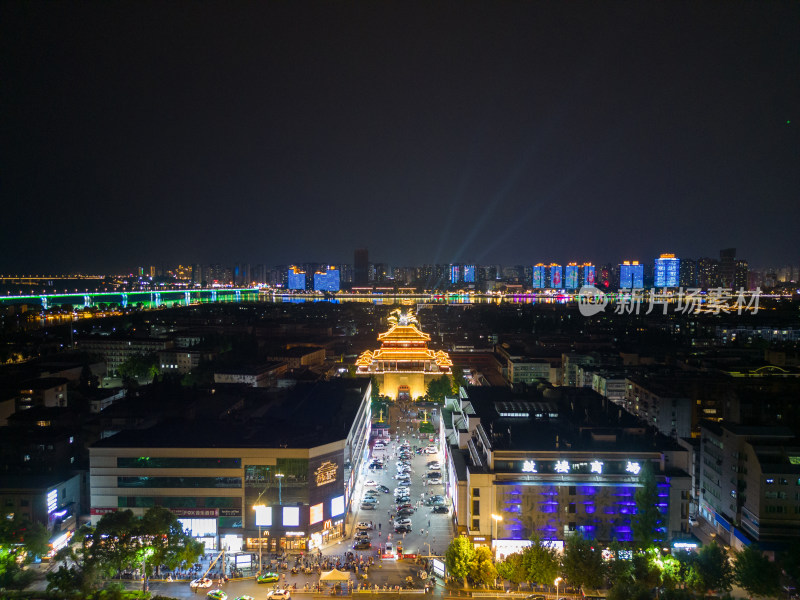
{"x": 495, "y": 132}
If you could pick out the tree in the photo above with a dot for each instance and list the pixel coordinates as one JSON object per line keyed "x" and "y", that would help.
{"x": 139, "y": 366}
{"x": 162, "y": 531}
{"x": 439, "y": 388}
{"x": 583, "y": 566}
{"x": 754, "y": 572}
{"x": 513, "y": 568}
{"x": 481, "y": 568}
{"x": 648, "y": 517}
{"x": 540, "y": 561}
{"x": 376, "y": 388}
{"x": 458, "y": 558}
{"x": 711, "y": 570}
{"x": 458, "y": 381}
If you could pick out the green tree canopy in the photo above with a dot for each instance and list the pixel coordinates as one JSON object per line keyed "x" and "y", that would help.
{"x": 481, "y": 569}
{"x": 139, "y": 366}
{"x": 711, "y": 570}
{"x": 439, "y": 388}
{"x": 648, "y": 517}
{"x": 513, "y": 568}
{"x": 583, "y": 566}
{"x": 754, "y": 572}
{"x": 459, "y": 557}
{"x": 458, "y": 380}
{"x": 541, "y": 562}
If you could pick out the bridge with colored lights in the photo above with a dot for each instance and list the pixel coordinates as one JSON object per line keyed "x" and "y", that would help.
{"x": 124, "y": 299}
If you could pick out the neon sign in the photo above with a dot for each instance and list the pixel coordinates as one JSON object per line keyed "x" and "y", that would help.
{"x": 529, "y": 466}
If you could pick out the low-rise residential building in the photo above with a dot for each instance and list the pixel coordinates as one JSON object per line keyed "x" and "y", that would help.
{"x": 254, "y": 376}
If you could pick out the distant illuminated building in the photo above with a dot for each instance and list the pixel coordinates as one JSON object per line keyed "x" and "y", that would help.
{"x": 556, "y": 277}
{"x": 455, "y": 273}
{"x": 297, "y": 279}
{"x": 587, "y": 274}
{"x": 667, "y": 271}
{"x": 539, "y": 279}
{"x": 327, "y": 281}
{"x": 404, "y": 365}
{"x": 631, "y": 275}
{"x": 469, "y": 273}
{"x": 571, "y": 276}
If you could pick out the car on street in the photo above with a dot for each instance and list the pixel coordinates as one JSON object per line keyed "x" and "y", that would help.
{"x": 402, "y": 522}
{"x": 371, "y": 482}
{"x": 441, "y": 509}
{"x": 434, "y": 464}
{"x": 402, "y": 499}
{"x": 402, "y": 529}
{"x": 436, "y": 481}
{"x": 217, "y": 595}
{"x": 389, "y": 549}
{"x": 405, "y": 512}
{"x": 433, "y": 474}
{"x": 379, "y": 446}
{"x": 244, "y": 597}
{"x": 401, "y": 476}
{"x": 282, "y": 594}
{"x": 362, "y": 545}
{"x": 268, "y": 577}
{"x": 401, "y": 491}
{"x": 203, "y": 582}
{"x": 384, "y": 489}
{"x": 535, "y": 597}
{"x": 402, "y": 506}
{"x": 369, "y": 500}
{"x": 368, "y": 506}
{"x": 693, "y": 520}
{"x": 364, "y": 525}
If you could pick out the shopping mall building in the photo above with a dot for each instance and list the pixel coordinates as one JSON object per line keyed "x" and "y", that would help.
{"x": 554, "y": 461}
{"x": 282, "y": 477}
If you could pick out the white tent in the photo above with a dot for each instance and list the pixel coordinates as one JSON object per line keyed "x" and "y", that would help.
{"x": 335, "y": 576}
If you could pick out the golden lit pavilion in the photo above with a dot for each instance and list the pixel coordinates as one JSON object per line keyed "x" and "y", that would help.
{"x": 404, "y": 365}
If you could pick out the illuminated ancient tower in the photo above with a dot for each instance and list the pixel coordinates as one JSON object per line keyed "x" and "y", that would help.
{"x": 404, "y": 365}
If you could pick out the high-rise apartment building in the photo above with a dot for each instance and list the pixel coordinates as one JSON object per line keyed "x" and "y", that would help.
{"x": 687, "y": 274}
{"x": 361, "y": 267}
{"x": 328, "y": 280}
{"x": 667, "y": 271}
{"x": 707, "y": 273}
{"x": 727, "y": 267}
{"x": 631, "y": 275}
{"x": 296, "y": 279}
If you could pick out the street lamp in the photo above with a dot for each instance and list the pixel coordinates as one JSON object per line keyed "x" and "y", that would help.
{"x": 257, "y": 507}
{"x": 556, "y": 582}
{"x": 496, "y": 519}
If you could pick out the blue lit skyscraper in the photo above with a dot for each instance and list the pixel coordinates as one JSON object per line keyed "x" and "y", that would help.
{"x": 539, "y": 276}
{"x": 297, "y": 279}
{"x": 667, "y": 271}
{"x": 631, "y": 275}
{"x": 454, "y": 274}
{"x": 327, "y": 281}
{"x": 556, "y": 277}
{"x": 571, "y": 276}
{"x": 469, "y": 273}
{"x": 588, "y": 274}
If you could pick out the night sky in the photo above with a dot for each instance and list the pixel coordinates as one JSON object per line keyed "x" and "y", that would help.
{"x": 494, "y": 132}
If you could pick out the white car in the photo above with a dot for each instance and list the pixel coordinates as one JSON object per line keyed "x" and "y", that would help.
{"x": 389, "y": 548}
{"x": 401, "y": 491}
{"x": 364, "y": 525}
{"x": 203, "y": 582}
{"x": 693, "y": 520}
{"x": 379, "y": 446}
{"x": 402, "y": 521}
{"x": 371, "y": 482}
{"x": 286, "y": 594}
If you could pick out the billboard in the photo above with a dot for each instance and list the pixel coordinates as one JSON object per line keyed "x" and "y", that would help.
{"x": 327, "y": 281}
{"x": 469, "y": 273}
{"x": 454, "y": 273}
{"x": 588, "y": 274}
{"x": 296, "y": 280}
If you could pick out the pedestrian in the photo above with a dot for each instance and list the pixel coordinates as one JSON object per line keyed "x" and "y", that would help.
{"x": 379, "y": 526}
{"x": 429, "y": 522}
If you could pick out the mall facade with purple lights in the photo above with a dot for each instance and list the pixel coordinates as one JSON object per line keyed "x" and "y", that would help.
{"x": 552, "y": 461}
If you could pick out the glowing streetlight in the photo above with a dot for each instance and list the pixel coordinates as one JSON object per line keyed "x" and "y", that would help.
{"x": 556, "y": 582}
{"x": 496, "y": 519}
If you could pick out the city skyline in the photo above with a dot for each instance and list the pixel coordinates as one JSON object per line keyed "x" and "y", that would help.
{"x": 440, "y": 133}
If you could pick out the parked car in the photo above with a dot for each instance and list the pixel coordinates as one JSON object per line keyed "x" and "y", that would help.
{"x": 362, "y": 545}
{"x": 405, "y": 512}
{"x": 402, "y": 529}
{"x": 693, "y": 520}
{"x": 441, "y": 509}
{"x": 402, "y": 522}
{"x": 402, "y": 506}
{"x": 368, "y": 506}
{"x": 402, "y": 499}
{"x": 364, "y": 525}
{"x": 369, "y": 500}
{"x": 203, "y": 582}
{"x": 384, "y": 489}
{"x": 371, "y": 482}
